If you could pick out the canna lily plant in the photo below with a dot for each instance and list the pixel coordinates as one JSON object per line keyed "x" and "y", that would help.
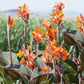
{"x": 56, "y": 63}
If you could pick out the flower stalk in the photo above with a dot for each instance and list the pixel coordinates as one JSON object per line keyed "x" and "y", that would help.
{"x": 79, "y": 77}
{"x": 55, "y": 78}
{"x": 58, "y": 34}
{"x": 8, "y": 30}
{"x": 25, "y": 37}
{"x": 31, "y": 43}
{"x": 36, "y": 48}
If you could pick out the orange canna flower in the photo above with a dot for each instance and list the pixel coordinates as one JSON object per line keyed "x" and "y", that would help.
{"x": 27, "y": 58}
{"x": 23, "y": 61}
{"x": 45, "y": 69}
{"x": 23, "y": 12}
{"x": 50, "y": 31}
{"x": 10, "y": 22}
{"x": 31, "y": 64}
{"x": 56, "y": 16}
{"x": 46, "y": 24}
{"x": 59, "y": 6}
{"x": 79, "y": 28}
{"x": 38, "y": 35}
{"x": 80, "y": 22}
{"x": 20, "y": 54}
{"x": 51, "y": 51}
{"x": 64, "y": 53}
{"x": 46, "y": 57}
{"x": 82, "y": 18}
{"x": 53, "y": 42}
{"x": 57, "y": 13}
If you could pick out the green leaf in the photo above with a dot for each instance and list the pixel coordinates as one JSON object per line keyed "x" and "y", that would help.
{"x": 7, "y": 79}
{"x": 49, "y": 81}
{"x": 79, "y": 37}
{"x": 4, "y": 56}
{"x": 70, "y": 39}
{"x": 39, "y": 63}
{"x": 50, "y": 65}
{"x": 72, "y": 75}
{"x": 82, "y": 59}
{"x": 14, "y": 71}
{"x": 1, "y": 79}
{"x": 35, "y": 72}
{"x": 71, "y": 63}
{"x": 39, "y": 79}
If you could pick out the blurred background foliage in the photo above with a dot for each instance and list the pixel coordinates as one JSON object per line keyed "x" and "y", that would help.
{"x": 34, "y": 22}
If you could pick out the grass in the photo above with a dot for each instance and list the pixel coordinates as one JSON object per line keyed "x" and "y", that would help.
{"x": 34, "y": 22}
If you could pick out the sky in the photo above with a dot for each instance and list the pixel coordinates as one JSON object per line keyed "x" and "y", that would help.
{"x": 42, "y": 5}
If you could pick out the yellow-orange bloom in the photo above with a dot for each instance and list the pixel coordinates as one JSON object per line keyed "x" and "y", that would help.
{"x": 10, "y": 22}
{"x": 56, "y": 16}
{"x": 20, "y": 54}
{"x": 79, "y": 28}
{"x": 59, "y": 6}
{"x": 57, "y": 13}
{"x": 27, "y": 58}
{"x": 80, "y": 21}
{"x": 45, "y": 69}
{"x": 46, "y": 24}
{"x": 23, "y": 61}
{"x": 23, "y": 12}
{"x": 50, "y": 31}
{"x": 38, "y": 35}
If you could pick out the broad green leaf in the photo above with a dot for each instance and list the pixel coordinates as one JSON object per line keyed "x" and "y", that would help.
{"x": 39, "y": 63}
{"x": 82, "y": 59}
{"x": 35, "y": 72}
{"x": 7, "y": 79}
{"x": 72, "y": 75}
{"x": 39, "y": 79}
{"x": 14, "y": 71}
{"x": 70, "y": 39}
{"x": 71, "y": 63}
{"x": 83, "y": 75}
{"x": 4, "y": 56}
{"x": 80, "y": 37}
{"x": 1, "y": 79}
{"x": 49, "y": 81}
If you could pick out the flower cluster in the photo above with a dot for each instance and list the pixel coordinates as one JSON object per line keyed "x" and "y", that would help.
{"x": 27, "y": 58}
{"x": 23, "y": 12}
{"x": 38, "y": 35}
{"x": 45, "y": 69}
{"x": 50, "y": 31}
{"x": 80, "y": 22}
{"x": 52, "y": 51}
{"x": 57, "y": 13}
